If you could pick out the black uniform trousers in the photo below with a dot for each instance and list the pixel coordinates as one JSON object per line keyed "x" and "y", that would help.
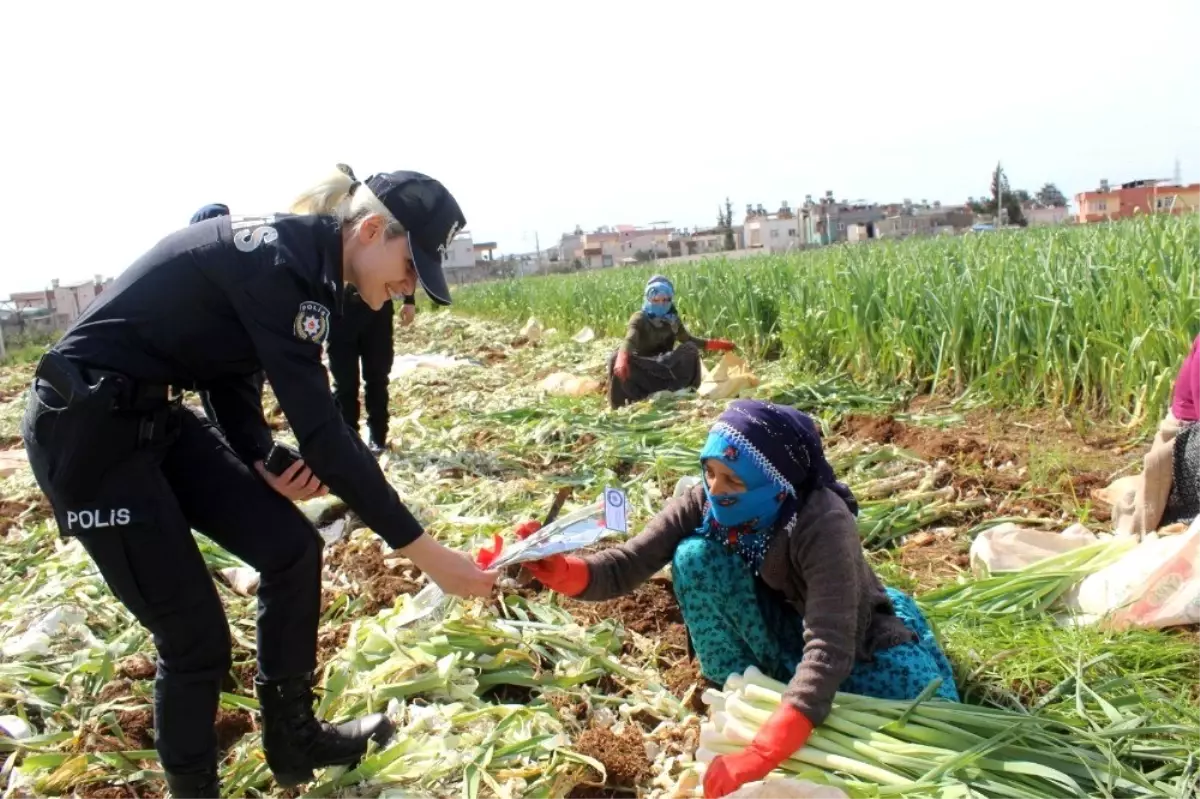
{"x": 132, "y": 501}
{"x": 372, "y": 342}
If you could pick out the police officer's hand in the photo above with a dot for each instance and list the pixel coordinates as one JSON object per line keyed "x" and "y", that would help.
{"x": 407, "y": 314}
{"x": 454, "y": 572}
{"x": 297, "y": 482}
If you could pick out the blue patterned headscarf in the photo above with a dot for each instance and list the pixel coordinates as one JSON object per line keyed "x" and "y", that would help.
{"x": 659, "y": 286}
{"x": 776, "y": 451}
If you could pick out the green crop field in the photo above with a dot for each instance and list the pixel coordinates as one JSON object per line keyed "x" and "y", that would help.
{"x": 1090, "y": 316}
{"x": 529, "y": 694}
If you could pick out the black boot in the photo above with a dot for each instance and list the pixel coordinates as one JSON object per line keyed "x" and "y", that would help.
{"x": 200, "y": 785}
{"x": 377, "y": 444}
{"x": 295, "y": 742}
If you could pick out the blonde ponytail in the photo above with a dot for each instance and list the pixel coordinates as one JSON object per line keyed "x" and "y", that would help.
{"x": 327, "y": 197}
{"x": 333, "y": 197}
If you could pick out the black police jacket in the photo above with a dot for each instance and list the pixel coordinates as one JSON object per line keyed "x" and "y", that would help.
{"x": 216, "y": 302}
{"x": 356, "y": 316}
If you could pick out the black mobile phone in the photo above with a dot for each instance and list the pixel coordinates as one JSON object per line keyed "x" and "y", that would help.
{"x": 280, "y": 458}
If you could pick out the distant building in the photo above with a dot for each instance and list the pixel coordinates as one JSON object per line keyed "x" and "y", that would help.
{"x": 1038, "y": 216}
{"x": 705, "y": 241}
{"x": 466, "y": 260}
{"x": 64, "y": 304}
{"x": 649, "y": 241}
{"x": 768, "y": 231}
{"x": 830, "y": 221}
{"x": 1136, "y": 197}
{"x": 908, "y": 219}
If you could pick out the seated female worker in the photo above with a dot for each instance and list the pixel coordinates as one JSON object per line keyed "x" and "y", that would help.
{"x": 769, "y": 571}
{"x": 648, "y": 360}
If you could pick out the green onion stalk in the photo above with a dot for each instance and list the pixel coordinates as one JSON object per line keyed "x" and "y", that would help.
{"x": 1028, "y": 591}
{"x": 930, "y": 747}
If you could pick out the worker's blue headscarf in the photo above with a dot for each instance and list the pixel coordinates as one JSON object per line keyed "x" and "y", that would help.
{"x": 211, "y": 211}
{"x": 659, "y": 286}
{"x": 776, "y": 451}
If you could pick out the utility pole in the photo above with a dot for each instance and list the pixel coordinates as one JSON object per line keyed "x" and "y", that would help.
{"x": 537, "y": 245}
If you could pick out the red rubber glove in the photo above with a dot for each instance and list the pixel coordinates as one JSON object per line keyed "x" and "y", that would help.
{"x": 783, "y": 734}
{"x": 526, "y": 529}
{"x": 621, "y": 367}
{"x": 487, "y": 555}
{"x": 566, "y": 575}
{"x": 719, "y": 345}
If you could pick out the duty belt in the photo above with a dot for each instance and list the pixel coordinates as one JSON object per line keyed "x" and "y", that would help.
{"x": 73, "y": 382}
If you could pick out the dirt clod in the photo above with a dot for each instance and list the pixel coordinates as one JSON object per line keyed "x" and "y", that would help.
{"x": 231, "y": 726}
{"x": 136, "y": 667}
{"x": 371, "y": 578}
{"x": 117, "y": 689}
{"x": 623, "y": 756}
{"x": 651, "y": 611}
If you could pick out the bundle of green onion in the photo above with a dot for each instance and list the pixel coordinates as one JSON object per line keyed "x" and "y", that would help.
{"x": 878, "y": 747}
{"x": 1031, "y": 590}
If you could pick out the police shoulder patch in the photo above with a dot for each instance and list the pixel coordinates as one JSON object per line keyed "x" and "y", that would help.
{"x": 312, "y": 322}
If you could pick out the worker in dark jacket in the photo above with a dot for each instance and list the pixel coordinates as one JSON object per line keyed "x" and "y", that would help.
{"x": 130, "y": 471}
{"x": 648, "y": 360}
{"x": 363, "y": 334}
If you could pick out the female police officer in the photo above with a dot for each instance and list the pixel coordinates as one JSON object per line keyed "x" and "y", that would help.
{"x": 362, "y": 333}
{"x": 130, "y": 472}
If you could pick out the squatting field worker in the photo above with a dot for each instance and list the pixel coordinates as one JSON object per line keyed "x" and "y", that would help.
{"x": 769, "y": 571}
{"x": 648, "y": 360}
{"x": 131, "y": 472}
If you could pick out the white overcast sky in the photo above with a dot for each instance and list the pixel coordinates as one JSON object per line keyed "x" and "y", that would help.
{"x": 120, "y": 119}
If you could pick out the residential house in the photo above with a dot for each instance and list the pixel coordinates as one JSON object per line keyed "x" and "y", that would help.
{"x": 767, "y": 231}
{"x": 64, "y": 303}
{"x": 466, "y": 260}
{"x": 706, "y": 241}
{"x": 1039, "y": 215}
{"x": 649, "y": 241}
{"x": 1136, "y": 197}
{"x": 909, "y": 219}
{"x": 830, "y": 221}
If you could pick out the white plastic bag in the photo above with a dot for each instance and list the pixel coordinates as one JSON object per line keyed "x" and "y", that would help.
{"x": 1008, "y": 547}
{"x": 1156, "y": 585}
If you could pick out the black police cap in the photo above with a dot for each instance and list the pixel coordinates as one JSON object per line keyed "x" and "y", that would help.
{"x": 432, "y": 218}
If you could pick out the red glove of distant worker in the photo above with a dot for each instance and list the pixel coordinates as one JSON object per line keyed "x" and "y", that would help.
{"x": 784, "y": 733}
{"x": 719, "y": 345}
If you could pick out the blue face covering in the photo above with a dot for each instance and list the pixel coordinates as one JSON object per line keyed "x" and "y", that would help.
{"x": 654, "y": 290}
{"x": 743, "y": 522}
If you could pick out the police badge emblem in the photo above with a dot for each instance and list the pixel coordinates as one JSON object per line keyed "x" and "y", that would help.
{"x": 312, "y": 322}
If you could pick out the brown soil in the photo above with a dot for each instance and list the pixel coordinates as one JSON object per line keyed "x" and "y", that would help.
{"x": 329, "y": 643}
{"x": 136, "y": 725}
{"x": 35, "y": 509}
{"x": 231, "y": 726}
{"x": 371, "y": 578}
{"x": 651, "y": 611}
{"x": 623, "y": 756}
{"x": 245, "y": 674}
{"x": 136, "y": 667}
{"x": 929, "y": 443}
{"x": 117, "y": 689}
{"x": 934, "y": 560}
{"x": 683, "y": 677}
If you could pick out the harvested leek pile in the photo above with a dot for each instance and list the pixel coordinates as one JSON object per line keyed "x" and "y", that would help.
{"x": 530, "y": 694}
{"x": 878, "y": 747}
